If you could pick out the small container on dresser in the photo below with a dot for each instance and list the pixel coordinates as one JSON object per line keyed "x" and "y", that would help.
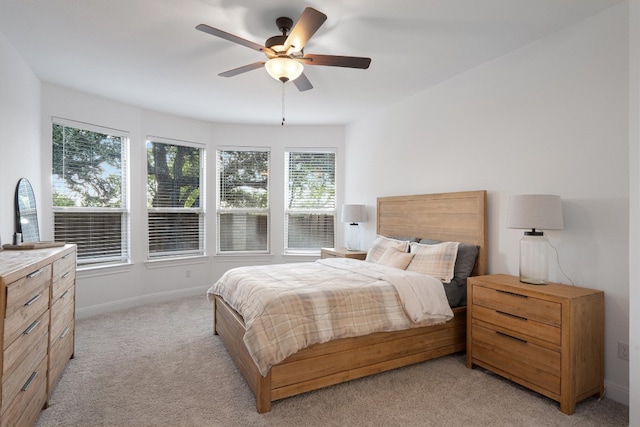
{"x": 342, "y": 253}
{"x": 549, "y": 338}
{"x": 34, "y": 351}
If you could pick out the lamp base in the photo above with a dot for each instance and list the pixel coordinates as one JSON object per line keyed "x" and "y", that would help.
{"x": 353, "y": 241}
{"x": 533, "y": 258}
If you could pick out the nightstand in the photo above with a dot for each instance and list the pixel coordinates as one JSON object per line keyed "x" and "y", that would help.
{"x": 548, "y": 338}
{"x": 342, "y": 253}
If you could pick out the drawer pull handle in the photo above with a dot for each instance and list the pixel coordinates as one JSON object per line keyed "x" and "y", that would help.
{"x": 504, "y": 313}
{"x": 65, "y": 275}
{"x": 65, "y": 332}
{"x": 509, "y": 336}
{"x": 29, "y": 381}
{"x": 512, "y": 293}
{"x": 34, "y": 274}
{"x": 64, "y": 294}
{"x": 32, "y": 300}
{"x": 67, "y": 255}
{"x": 31, "y": 327}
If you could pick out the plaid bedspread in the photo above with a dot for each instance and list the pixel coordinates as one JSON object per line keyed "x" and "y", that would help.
{"x": 288, "y": 307}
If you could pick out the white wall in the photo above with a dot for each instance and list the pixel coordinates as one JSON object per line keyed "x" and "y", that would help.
{"x": 19, "y": 132}
{"x": 634, "y": 203}
{"x": 108, "y": 289}
{"x": 551, "y": 117}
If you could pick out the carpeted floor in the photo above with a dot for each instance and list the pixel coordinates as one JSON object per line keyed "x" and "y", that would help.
{"x": 160, "y": 365}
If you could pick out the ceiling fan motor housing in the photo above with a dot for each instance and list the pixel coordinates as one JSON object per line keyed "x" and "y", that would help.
{"x": 277, "y": 41}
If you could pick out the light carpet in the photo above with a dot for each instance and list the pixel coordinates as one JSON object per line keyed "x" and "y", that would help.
{"x": 160, "y": 365}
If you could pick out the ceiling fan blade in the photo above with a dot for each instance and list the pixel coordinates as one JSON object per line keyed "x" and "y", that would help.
{"x": 307, "y": 25}
{"x": 242, "y": 69}
{"x": 337, "y": 61}
{"x": 302, "y": 83}
{"x": 228, "y": 36}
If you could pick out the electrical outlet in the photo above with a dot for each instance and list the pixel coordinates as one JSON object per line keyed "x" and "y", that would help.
{"x": 623, "y": 350}
{"x": 187, "y": 274}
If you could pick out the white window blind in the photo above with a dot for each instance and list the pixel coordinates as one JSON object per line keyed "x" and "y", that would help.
{"x": 89, "y": 180}
{"x": 310, "y": 202}
{"x": 243, "y": 200}
{"x": 174, "y": 198}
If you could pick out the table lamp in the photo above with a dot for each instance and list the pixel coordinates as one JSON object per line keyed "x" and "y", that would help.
{"x": 354, "y": 214}
{"x": 536, "y": 212}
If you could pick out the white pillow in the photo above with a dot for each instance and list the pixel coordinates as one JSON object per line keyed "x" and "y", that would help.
{"x": 434, "y": 260}
{"x": 395, "y": 258}
{"x": 381, "y": 244}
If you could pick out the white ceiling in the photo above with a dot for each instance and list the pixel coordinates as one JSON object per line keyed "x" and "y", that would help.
{"x": 148, "y": 53}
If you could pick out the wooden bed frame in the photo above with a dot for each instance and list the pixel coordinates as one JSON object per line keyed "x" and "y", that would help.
{"x": 448, "y": 217}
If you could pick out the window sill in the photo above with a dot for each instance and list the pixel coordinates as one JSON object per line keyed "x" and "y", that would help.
{"x": 175, "y": 261}
{"x": 244, "y": 257}
{"x": 102, "y": 270}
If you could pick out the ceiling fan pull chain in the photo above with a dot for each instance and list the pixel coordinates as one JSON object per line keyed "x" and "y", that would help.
{"x": 282, "y": 124}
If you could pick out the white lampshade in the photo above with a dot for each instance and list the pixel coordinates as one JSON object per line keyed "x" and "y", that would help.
{"x": 284, "y": 68}
{"x": 354, "y": 213}
{"x": 535, "y": 211}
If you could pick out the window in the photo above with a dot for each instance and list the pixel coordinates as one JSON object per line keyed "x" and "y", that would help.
{"x": 243, "y": 200}
{"x": 89, "y": 179}
{"x": 310, "y": 202}
{"x": 174, "y": 198}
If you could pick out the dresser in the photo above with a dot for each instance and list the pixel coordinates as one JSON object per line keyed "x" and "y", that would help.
{"x": 37, "y": 315}
{"x": 549, "y": 338}
{"x": 342, "y": 253}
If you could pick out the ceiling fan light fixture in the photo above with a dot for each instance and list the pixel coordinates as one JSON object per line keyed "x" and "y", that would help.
{"x": 284, "y": 69}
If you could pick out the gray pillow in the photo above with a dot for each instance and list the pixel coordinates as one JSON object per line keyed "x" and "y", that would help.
{"x": 456, "y": 290}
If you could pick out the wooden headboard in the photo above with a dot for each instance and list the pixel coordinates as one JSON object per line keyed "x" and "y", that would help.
{"x": 453, "y": 217}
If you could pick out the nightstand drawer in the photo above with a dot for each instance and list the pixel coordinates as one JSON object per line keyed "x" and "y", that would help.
{"x": 518, "y": 323}
{"x": 517, "y": 358}
{"x": 342, "y": 253}
{"x": 519, "y": 305}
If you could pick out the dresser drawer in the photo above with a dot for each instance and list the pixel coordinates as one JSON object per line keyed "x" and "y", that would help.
{"x": 27, "y": 299}
{"x": 25, "y": 344}
{"x": 62, "y": 313}
{"x": 25, "y": 291}
{"x": 26, "y": 406}
{"x": 517, "y": 358}
{"x": 64, "y": 275}
{"x": 518, "y": 323}
{"x": 24, "y": 373}
{"x": 60, "y": 353}
{"x": 518, "y": 304}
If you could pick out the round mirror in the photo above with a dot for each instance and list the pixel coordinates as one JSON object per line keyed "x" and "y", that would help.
{"x": 26, "y": 212}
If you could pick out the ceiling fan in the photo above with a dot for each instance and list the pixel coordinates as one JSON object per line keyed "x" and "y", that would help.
{"x": 285, "y": 52}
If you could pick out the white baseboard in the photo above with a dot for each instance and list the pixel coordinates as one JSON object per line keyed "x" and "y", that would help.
{"x": 616, "y": 392}
{"x": 110, "y": 307}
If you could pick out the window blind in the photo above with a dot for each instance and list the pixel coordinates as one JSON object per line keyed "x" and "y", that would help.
{"x": 89, "y": 183}
{"x": 310, "y": 202}
{"x": 243, "y": 200}
{"x": 174, "y": 199}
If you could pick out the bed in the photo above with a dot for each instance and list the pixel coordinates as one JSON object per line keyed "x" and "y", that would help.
{"x": 455, "y": 217}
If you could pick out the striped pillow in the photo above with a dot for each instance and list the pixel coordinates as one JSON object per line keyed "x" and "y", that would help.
{"x": 381, "y": 244}
{"x": 434, "y": 260}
